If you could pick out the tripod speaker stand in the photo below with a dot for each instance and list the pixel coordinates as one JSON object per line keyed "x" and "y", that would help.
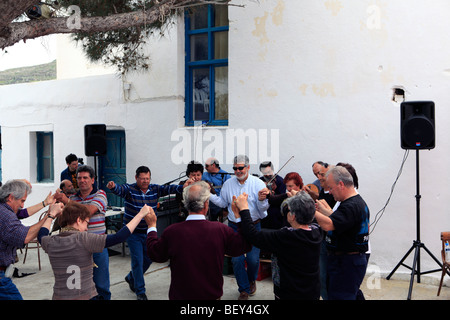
{"x": 417, "y": 244}
{"x": 417, "y": 132}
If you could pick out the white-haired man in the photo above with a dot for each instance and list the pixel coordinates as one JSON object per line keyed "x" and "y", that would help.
{"x": 244, "y": 182}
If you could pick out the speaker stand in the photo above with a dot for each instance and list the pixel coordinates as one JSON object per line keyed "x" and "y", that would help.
{"x": 95, "y": 170}
{"x": 417, "y": 244}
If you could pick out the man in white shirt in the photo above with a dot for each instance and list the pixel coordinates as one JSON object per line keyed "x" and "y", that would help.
{"x": 242, "y": 182}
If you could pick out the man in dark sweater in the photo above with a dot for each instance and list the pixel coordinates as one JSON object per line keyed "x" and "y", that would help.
{"x": 195, "y": 247}
{"x": 295, "y": 262}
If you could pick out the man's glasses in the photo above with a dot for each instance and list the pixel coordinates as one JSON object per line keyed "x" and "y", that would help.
{"x": 239, "y": 168}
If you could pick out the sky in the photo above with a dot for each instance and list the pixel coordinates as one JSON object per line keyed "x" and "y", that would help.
{"x": 33, "y": 52}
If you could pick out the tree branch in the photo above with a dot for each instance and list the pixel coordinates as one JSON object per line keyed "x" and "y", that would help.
{"x": 17, "y": 31}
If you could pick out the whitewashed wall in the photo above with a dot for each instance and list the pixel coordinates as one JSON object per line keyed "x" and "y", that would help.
{"x": 316, "y": 75}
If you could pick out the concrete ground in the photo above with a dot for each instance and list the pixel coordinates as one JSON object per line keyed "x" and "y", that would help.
{"x": 375, "y": 287}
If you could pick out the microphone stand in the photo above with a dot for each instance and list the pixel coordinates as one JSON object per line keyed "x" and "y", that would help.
{"x": 170, "y": 182}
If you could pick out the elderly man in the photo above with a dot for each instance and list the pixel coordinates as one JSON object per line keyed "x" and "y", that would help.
{"x": 13, "y": 234}
{"x": 348, "y": 236}
{"x": 67, "y": 188}
{"x": 215, "y": 176}
{"x": 195, "y": 247}
{"x": 242, "y": 182}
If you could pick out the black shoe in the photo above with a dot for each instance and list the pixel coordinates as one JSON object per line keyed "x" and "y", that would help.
{"x": 130, "y": 283}
{"x": 142, "y": 296}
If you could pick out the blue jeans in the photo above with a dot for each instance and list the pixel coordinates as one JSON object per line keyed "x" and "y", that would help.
{"x": 245, "y": 277}
{"x": 8, "y": 290}
{"x": 345, "y": 275}
{"x": 140, "y": 262}
{"x": 101, "y": 274}
{"x": 323, "y": 270}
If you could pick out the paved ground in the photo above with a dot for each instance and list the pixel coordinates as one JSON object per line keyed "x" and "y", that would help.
{"x": 375, "y": 287}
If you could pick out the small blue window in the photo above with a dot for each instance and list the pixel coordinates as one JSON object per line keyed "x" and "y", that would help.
{"x": 207, "y": 65}
{"x": 44, "y": 152}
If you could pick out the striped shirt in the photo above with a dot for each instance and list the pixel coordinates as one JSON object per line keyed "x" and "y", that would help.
{"x": 12, "y": 235}
{"x": 97, "y": 221}
{"x": 135, "y": 199}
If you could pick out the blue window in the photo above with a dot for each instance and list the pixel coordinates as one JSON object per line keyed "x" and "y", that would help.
{"x": 44, "y": 152}
{"x": 207, "y": 65}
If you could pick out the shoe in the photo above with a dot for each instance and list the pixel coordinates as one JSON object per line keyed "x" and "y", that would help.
{"x": 252, "y": 288}
{"x": 142, "y": 296}
{"x": 243, "y": 296}
{"x": 130, "y": 284}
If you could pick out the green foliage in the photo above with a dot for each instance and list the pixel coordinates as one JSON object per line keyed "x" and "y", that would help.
{"x": 29, "y": 74}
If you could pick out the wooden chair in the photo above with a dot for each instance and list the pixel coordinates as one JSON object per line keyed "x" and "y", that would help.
{"x": 445, "y": 236}
{"x": 34, "y": 244}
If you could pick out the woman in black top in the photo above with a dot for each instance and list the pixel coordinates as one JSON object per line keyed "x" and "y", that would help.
{"x": 295, "y": 249}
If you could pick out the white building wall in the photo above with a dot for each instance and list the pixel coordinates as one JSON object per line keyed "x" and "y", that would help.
{"x": 317, "y": 75}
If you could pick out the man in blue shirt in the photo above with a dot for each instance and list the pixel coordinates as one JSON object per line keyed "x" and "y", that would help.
{"x": 70, "y": 173}
{"x": 136, "y": 195}
{"x": 13, "y": 234}
{"x": 216, "y": 177}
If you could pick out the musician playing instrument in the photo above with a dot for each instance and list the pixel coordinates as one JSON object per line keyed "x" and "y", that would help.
{"x": 275, "y": 186}
{"x": 216, "y": 177}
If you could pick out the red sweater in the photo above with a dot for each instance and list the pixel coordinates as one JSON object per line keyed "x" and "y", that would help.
{"x": 196, "y": 251}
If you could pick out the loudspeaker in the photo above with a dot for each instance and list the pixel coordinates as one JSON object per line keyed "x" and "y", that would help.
{"x": 417, "y": 128}
{"x": 95, "y": 139}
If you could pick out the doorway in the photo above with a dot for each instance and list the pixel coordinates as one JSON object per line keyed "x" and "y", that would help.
{"x": 112, "y": 166}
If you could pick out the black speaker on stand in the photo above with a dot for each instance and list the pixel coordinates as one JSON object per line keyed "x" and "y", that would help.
{"x": 417, "y": 130}
{"x": 95, "y": 142}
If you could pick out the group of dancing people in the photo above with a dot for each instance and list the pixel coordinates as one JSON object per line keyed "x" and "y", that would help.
{"x": 317, "y": 237}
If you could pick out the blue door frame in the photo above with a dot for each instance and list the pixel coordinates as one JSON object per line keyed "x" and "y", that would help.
{"x": 112, "y": 166}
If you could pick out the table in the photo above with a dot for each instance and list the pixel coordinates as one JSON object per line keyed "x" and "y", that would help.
{"x": 114, "y": 222}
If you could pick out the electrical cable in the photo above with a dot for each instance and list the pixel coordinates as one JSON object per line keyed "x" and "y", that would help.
{"x": 381, "y": 212}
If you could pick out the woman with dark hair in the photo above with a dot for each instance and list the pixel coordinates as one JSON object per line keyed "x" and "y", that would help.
{"x": 71, "y": 250}
{"x": 294, "y": 184}
{"x": 293, "y": 181}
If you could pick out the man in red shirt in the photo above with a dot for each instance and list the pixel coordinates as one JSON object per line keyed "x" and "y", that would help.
{"x": 195, "y": 248}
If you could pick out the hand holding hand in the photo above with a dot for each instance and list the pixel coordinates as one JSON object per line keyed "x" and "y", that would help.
{"x": 145, "y": 210}
{"x": 55, "y": 209}
{"x": 323, "y": 207}
{"x": 262, "y": 194}
{"x": 234, "y": 208}
{"x": 241, "y": 201}
{"x": 188, "y": 182}
{"x": 60, "y": 197}
{"x": 150, "y": 217}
